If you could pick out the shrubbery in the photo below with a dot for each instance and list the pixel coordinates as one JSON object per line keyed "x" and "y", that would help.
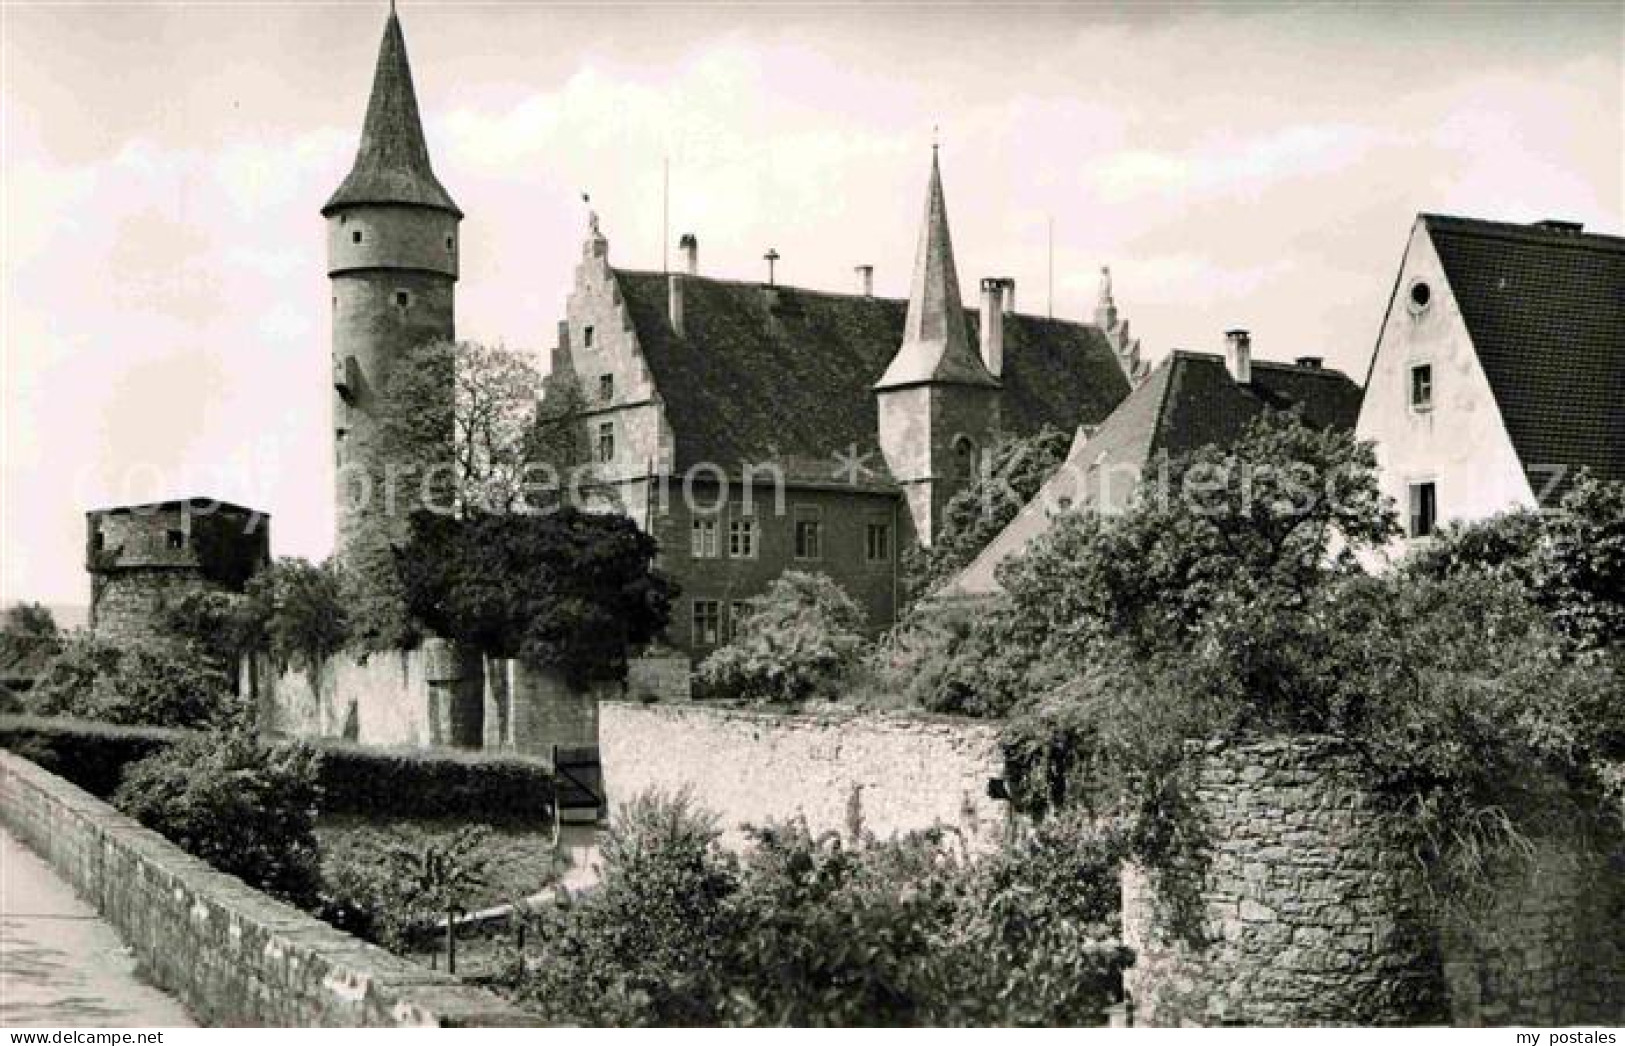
{"x": 802, "y": 639}
{"x": 825, "y": 931}
{"x": 247, "y": 808}
{"x": 156, "y": 682}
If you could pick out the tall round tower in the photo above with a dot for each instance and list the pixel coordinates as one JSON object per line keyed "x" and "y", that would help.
{"x": 392, "y": 258}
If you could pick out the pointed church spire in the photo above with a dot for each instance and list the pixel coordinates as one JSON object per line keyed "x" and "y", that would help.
{"x": 392, "y": 164}
{"x": 936, "y": 346}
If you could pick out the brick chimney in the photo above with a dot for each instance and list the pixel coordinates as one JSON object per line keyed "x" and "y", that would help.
{"x": 1238, "y": 355}
{"x": 993, "y": 290}
{"x": 689, "y": 244}
{"x": 866, "y": 280}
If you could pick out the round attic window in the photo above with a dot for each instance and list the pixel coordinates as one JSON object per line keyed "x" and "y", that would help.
{"x": 1421, "y": 296}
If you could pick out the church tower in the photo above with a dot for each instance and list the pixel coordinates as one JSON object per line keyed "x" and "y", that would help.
{"x": 392, "y": 259}
{"x": 938, "y": 403}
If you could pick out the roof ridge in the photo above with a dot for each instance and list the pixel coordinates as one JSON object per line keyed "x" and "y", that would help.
{"x": 1529, "y": 232}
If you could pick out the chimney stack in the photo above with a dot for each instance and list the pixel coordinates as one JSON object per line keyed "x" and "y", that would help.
{"x": 674, "y": 301}
{"x": 993, "y": 323}
{"x": 1311, "y": 362}
{"x": 1238, "y": 356}
{"x": 689, "y": 244}
{"x": 1009, "y": 297}
{"x": 866, "y": 280}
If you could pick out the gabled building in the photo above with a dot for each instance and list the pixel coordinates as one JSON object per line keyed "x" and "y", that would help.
{"x": 1499, "y": 371}
{"x": 755, "y": 427}
{"x": 1188, "y": 401}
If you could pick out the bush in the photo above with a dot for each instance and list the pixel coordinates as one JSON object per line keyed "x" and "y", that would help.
{"x": 246, "y": 808}
{"x": 217, "y": 623}
{"x": 971, "y": 659}
{"x": 824, "y": 931}
{"x": 296, "y": 610}
{"x": 647, "y": 946}
{"x": 29, "y": 619}
{"x": 803, "y": 638}
{"x": 89, "y": 754}
{"x": 155, "y": 682}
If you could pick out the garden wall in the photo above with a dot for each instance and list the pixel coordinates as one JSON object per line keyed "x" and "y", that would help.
{"x": 431, "y": 696}
{"x": 233, "y": 955}
{"x": 1305, "y": 912}
{"x": 897, "y": 774}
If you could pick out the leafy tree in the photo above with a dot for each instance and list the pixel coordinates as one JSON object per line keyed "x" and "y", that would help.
{"x": 29, "y": 619}
{"x": 154, "y": 682}
{"x": 221, "y": 624}
{"x": 970, "y": 659}
{"x": 569, "y": 590}
{"x": 297, "y": 611}
{"x": 246, "y": 808}
{"x": 1013, "y": 470}
{"x": 802, "y": 638}
{"x": 1570, "y": 559}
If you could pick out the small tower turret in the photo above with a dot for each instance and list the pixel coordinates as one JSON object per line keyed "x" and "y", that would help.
{"x": 937, "y": 402}
{"x": 392, "y": 260}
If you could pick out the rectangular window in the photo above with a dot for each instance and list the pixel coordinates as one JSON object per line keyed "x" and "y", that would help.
{"x": 606, "y": 388}
{"x": 703, "y": 539}
{"x": 175, "y": 539}
{"x": 809, "y": 539}
{"x": 1424, "y": 509}
{"x": 606, "y": 441}
{"x": 742, "y": 538}
{"x": 738, "y": 612}
{"x": 707, "y": 622}
{"x": 1422, "y": 386}
{"x": 877, "y": 542}
{"x": 586, "y": 336}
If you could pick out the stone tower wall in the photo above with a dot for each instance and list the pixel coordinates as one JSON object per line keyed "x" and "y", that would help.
{"x": 404, "y": 251}
{"x": 1308, "y": 912}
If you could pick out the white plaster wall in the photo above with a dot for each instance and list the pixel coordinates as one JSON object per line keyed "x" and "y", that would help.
{"x": 753, "y": 767}
{"x": 1461, "y": 444}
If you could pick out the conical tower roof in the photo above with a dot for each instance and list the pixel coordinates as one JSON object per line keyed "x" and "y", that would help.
{"x": 936, "y": 344}
{"x": 392, "y": 164}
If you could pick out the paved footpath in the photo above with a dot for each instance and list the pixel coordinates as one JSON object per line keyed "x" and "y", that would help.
{"x": 61, "y": 965}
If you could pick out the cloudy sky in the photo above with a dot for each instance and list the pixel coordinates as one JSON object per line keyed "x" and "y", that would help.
{"x": 166, "y": 325}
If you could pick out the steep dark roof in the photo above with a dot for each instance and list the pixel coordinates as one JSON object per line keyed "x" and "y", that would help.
{"x": 795, "y": 382}
{"x": 936, "y": 345}
{"x": 392, "y": 164}
{"x": 1546, "y": 312}
{"x": 1188, "y": 401}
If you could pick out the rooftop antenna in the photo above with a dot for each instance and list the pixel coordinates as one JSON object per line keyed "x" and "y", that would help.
{"x": 772, "y": 258}
{"x": 1051, "y": 308}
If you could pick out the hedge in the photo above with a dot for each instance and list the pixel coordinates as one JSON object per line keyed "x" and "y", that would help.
{"x": 355, "y": 779}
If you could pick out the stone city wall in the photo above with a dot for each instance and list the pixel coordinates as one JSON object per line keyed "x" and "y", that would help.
{"x": 233, "y": 955}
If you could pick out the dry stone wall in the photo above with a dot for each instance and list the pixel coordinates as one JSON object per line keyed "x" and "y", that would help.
{"x": 1304, "y": 910}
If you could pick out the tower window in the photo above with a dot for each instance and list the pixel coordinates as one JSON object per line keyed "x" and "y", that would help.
{"x": 175, "y": 540}
{"x": 964, "y": 458}
{"x": 606, "y": 442}
{"x": 355, "y": 235}
{"x": 1422, "y": 387}
{"x": 586, "y": 336}
{"x": 451, "y": 244}
{"x": 1424, "y": 509}
{"x": 403, "y": 298}
{"x": 606, "y": 387}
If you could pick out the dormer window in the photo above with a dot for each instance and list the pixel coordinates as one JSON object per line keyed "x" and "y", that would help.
{"x": 1422, "y": 387}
